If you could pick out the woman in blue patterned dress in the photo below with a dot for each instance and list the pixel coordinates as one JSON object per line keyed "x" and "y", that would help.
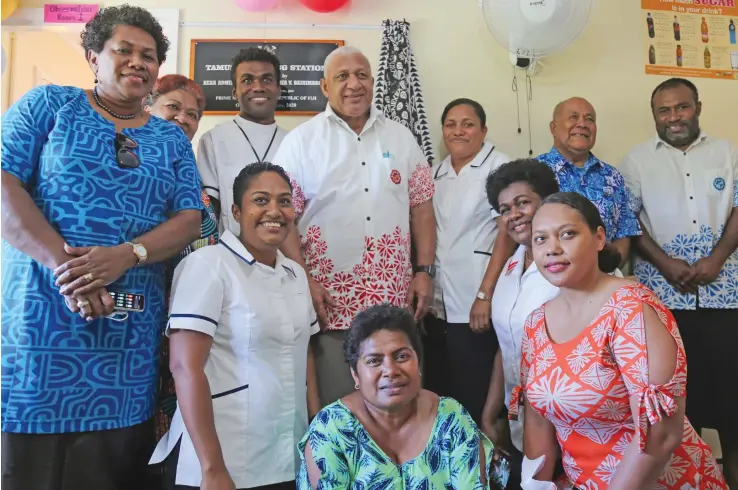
{"x": 390, "y": 433}
{"x": 97, "y": 196}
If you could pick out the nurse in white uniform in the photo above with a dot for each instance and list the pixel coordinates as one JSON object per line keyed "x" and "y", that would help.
{"x": 466, "y": 228}
{"x": 240, "y": 325}
{"x": 515, "y": 190}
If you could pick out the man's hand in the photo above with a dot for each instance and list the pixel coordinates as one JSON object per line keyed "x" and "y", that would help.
{"x": 93, "y": 268}
{"x": 706, "y": 270}
{"x": 421, "y": 288}
{"x": 679, "y": 273}
{"x": 479, "y": 317}
{"x": 322, "y": 300}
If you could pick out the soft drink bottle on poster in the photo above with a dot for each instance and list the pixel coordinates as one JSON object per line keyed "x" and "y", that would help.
{"x": 731, "y": 31}
{"x": 677, "y": 30}
{"x": 652, "y": 55}
{"x": 651, "y": 29}
{"x": 708, "y": 60}
{"x": 679, "y": 58}
{"x": 705, "y": 33}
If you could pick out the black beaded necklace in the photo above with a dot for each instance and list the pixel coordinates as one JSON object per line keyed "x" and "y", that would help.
{"x": 109, "y": 111}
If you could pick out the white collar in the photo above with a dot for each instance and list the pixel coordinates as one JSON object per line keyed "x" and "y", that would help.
{"x": 234, "y": 246}
{"x": 657, "y": 141}
{"x": 375, "y": 115}
{"x": 481, "y": 160}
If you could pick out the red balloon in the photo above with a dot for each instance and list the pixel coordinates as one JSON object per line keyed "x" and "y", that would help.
{"x": 324, "y": 6}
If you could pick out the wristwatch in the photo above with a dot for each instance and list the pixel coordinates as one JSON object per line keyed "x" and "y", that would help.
{"x": 140, "y": 251}
{"x": 428, "y": 269}
{"x": 484, "y": 296}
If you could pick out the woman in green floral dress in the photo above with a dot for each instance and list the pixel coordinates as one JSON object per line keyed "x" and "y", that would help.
{"x": 390, "y": 433}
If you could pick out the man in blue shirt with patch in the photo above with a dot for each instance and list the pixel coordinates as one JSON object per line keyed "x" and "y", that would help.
{"x": 574, "y": 129}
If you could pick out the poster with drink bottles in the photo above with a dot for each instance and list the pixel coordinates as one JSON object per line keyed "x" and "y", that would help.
{"x": 691, "y": 38}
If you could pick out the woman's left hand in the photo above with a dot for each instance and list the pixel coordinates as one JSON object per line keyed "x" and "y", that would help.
{"x": 93, "y": 268}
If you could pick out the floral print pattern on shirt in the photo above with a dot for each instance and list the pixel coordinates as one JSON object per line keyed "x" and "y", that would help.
{"x": 583, "y": 387}
{"x": 348, "y": 457}
{"x": 603, "y": 185}
{"x": 384, "y": 271}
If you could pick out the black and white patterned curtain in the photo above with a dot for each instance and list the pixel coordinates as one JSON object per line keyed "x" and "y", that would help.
{"x": 397, "y": 91}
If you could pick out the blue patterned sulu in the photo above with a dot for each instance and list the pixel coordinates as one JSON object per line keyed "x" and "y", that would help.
{"x": 603, "y": 185}
{"x": 60, "y": 373}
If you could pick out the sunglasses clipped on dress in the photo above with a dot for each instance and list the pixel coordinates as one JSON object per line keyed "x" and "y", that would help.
{"x": 124, "y": 151}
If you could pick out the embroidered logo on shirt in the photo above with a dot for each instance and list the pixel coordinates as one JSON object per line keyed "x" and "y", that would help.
{"x": 511, "y": 267}
{"x": 387, "y": 154}
{"x": 719, "y": 183}
{"x": 395, "y": 177}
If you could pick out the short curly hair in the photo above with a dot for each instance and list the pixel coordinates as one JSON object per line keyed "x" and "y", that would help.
{"x": 100, "y": 28}
{"x": 170, "y": 83}
{"x": 254, "y": 54}
{"x": 537, "y": 175}
{"x": 375, "y": 319}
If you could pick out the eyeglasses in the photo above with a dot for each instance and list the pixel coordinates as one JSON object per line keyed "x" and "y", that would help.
{"x": 124, "y": 151}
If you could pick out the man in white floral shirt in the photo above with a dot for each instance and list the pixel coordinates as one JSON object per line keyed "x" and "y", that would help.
{"x": 362, "y": 190}
{"x": 685, "y": 188}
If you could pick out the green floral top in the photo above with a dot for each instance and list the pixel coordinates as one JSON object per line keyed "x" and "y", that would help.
{"x": 350, "y": 459}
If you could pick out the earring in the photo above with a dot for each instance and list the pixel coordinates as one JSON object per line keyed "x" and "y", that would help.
{"x": 356, "y": 386}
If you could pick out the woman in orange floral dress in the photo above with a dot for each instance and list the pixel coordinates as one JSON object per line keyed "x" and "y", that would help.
{"x": 603, "y": 371}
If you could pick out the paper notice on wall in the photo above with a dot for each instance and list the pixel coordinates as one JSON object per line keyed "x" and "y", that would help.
{"x": 691, "y": 38}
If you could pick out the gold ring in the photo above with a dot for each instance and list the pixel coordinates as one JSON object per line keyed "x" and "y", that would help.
{"x": 88, "y": 277}
{"x": 82, "y": 304}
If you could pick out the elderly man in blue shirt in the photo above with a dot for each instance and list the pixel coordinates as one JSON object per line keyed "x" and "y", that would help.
{"x": 574, "y": 130}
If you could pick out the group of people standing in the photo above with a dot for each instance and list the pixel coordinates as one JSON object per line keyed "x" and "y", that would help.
{"x": 340, "y": 314}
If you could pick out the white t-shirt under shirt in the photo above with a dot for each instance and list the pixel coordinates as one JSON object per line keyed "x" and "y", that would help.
{"x": 224, "y": 151}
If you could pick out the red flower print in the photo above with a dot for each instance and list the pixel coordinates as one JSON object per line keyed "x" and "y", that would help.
{"x": 320, "y": 247}
{"x": 386, "y": 246}
{"x": 373, "y": 293}
{"x": 325, "y": 265}
{"x": 298, "y": 197}
{"x": 342, "y": 282}
{"x": 313, "y": 233}
{"x": 421, "y": 184}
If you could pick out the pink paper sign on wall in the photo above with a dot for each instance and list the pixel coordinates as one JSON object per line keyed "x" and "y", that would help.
{"x": 69, "y": 13}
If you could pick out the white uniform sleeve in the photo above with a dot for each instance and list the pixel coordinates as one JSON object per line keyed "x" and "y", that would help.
{"x": 314, "y": 326}
{"x": 197, "y": 296}
{"x": 207, "y": 167}
{"x": 290, "y": 157}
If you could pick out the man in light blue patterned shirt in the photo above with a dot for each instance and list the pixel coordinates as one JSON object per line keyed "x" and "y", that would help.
{"x": 685, "y": 188}
{"x": 574, "y": 130}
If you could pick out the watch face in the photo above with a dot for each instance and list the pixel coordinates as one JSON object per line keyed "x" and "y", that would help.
{"x": 140, "y": 250}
